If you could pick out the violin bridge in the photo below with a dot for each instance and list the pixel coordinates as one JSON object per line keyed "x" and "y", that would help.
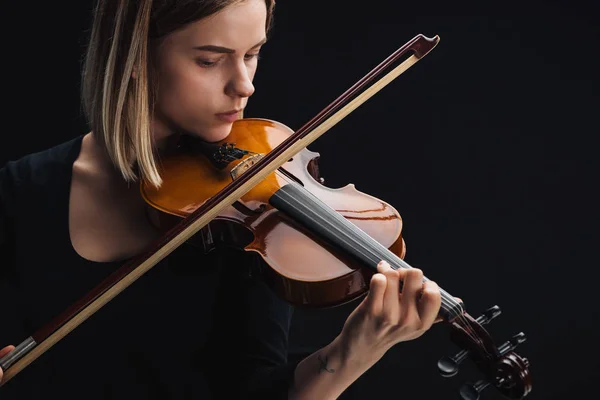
{"x": 243, "y": 166}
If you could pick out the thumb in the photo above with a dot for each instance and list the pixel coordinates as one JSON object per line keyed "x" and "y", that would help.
{"x": 6, "y": 350}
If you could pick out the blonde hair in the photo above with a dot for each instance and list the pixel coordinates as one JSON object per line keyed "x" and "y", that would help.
{"x": 118, "y": 107}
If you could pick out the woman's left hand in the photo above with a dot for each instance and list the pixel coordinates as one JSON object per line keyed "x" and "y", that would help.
{"x": 387, "y": 316}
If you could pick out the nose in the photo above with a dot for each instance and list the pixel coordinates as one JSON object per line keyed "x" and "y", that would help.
{"x": 240, "y": 84}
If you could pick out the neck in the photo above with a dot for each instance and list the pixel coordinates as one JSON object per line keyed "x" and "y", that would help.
{"x": 163, "y": 135}
{"x": 95, "y": 156}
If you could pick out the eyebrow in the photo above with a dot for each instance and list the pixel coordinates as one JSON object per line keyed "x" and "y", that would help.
{"x": 221, "y": 49}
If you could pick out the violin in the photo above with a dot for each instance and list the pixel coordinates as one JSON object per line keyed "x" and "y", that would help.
{"x": 260, "y": 190}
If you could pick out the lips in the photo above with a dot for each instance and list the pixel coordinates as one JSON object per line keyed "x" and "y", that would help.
{"x": 229, "y": 116}
{"x": 231, "y": 112}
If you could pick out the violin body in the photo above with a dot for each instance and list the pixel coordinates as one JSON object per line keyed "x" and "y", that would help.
{"x": 304, "y": 269}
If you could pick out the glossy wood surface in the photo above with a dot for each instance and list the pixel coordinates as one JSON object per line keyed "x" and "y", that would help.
{"x": 303, "y": 269}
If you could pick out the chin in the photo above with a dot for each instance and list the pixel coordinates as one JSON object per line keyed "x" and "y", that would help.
{"x": 215, "y": 133}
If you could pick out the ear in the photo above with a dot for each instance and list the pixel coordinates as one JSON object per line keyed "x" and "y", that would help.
{"x": 134, "y": 73}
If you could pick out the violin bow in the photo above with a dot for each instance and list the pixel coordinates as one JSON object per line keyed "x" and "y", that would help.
{"x": 43, "y": 339}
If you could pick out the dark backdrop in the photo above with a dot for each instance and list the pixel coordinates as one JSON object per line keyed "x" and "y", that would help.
{"x": 486, "y": 147}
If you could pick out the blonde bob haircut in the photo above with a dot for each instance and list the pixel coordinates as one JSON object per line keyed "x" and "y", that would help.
{"x": 117, "y": 107}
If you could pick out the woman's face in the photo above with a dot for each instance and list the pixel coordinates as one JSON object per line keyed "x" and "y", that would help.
{"x": 205, "y": 71}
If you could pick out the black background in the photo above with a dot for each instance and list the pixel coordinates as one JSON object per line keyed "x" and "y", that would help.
{"x": 486, "y": 147}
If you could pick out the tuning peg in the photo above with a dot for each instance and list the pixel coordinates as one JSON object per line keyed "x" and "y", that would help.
{"x": 488, "y": 315}
{"x": 512, "y": 343}
{"x": 448, "y": 366}
{"x": 471, "y": 391}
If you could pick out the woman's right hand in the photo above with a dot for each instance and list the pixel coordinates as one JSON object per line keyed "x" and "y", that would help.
{"x": 4, "y": 352}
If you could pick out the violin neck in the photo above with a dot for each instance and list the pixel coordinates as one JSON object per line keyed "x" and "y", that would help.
{"x": 308, "y": 210}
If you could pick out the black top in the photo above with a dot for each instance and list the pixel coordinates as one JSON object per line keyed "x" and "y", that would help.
{"x": 194, "y": 326}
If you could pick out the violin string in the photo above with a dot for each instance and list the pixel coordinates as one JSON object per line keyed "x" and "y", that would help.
{"x": 371, "y": 249}
{"x": 374, "y": 250}
{"x": 381, "y": 252}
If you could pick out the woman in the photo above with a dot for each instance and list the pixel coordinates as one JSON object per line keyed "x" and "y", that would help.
{"x": 155, "y": 70}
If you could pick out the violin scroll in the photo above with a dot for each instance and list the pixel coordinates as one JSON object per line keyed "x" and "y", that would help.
{"x": 501, "y": 366}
